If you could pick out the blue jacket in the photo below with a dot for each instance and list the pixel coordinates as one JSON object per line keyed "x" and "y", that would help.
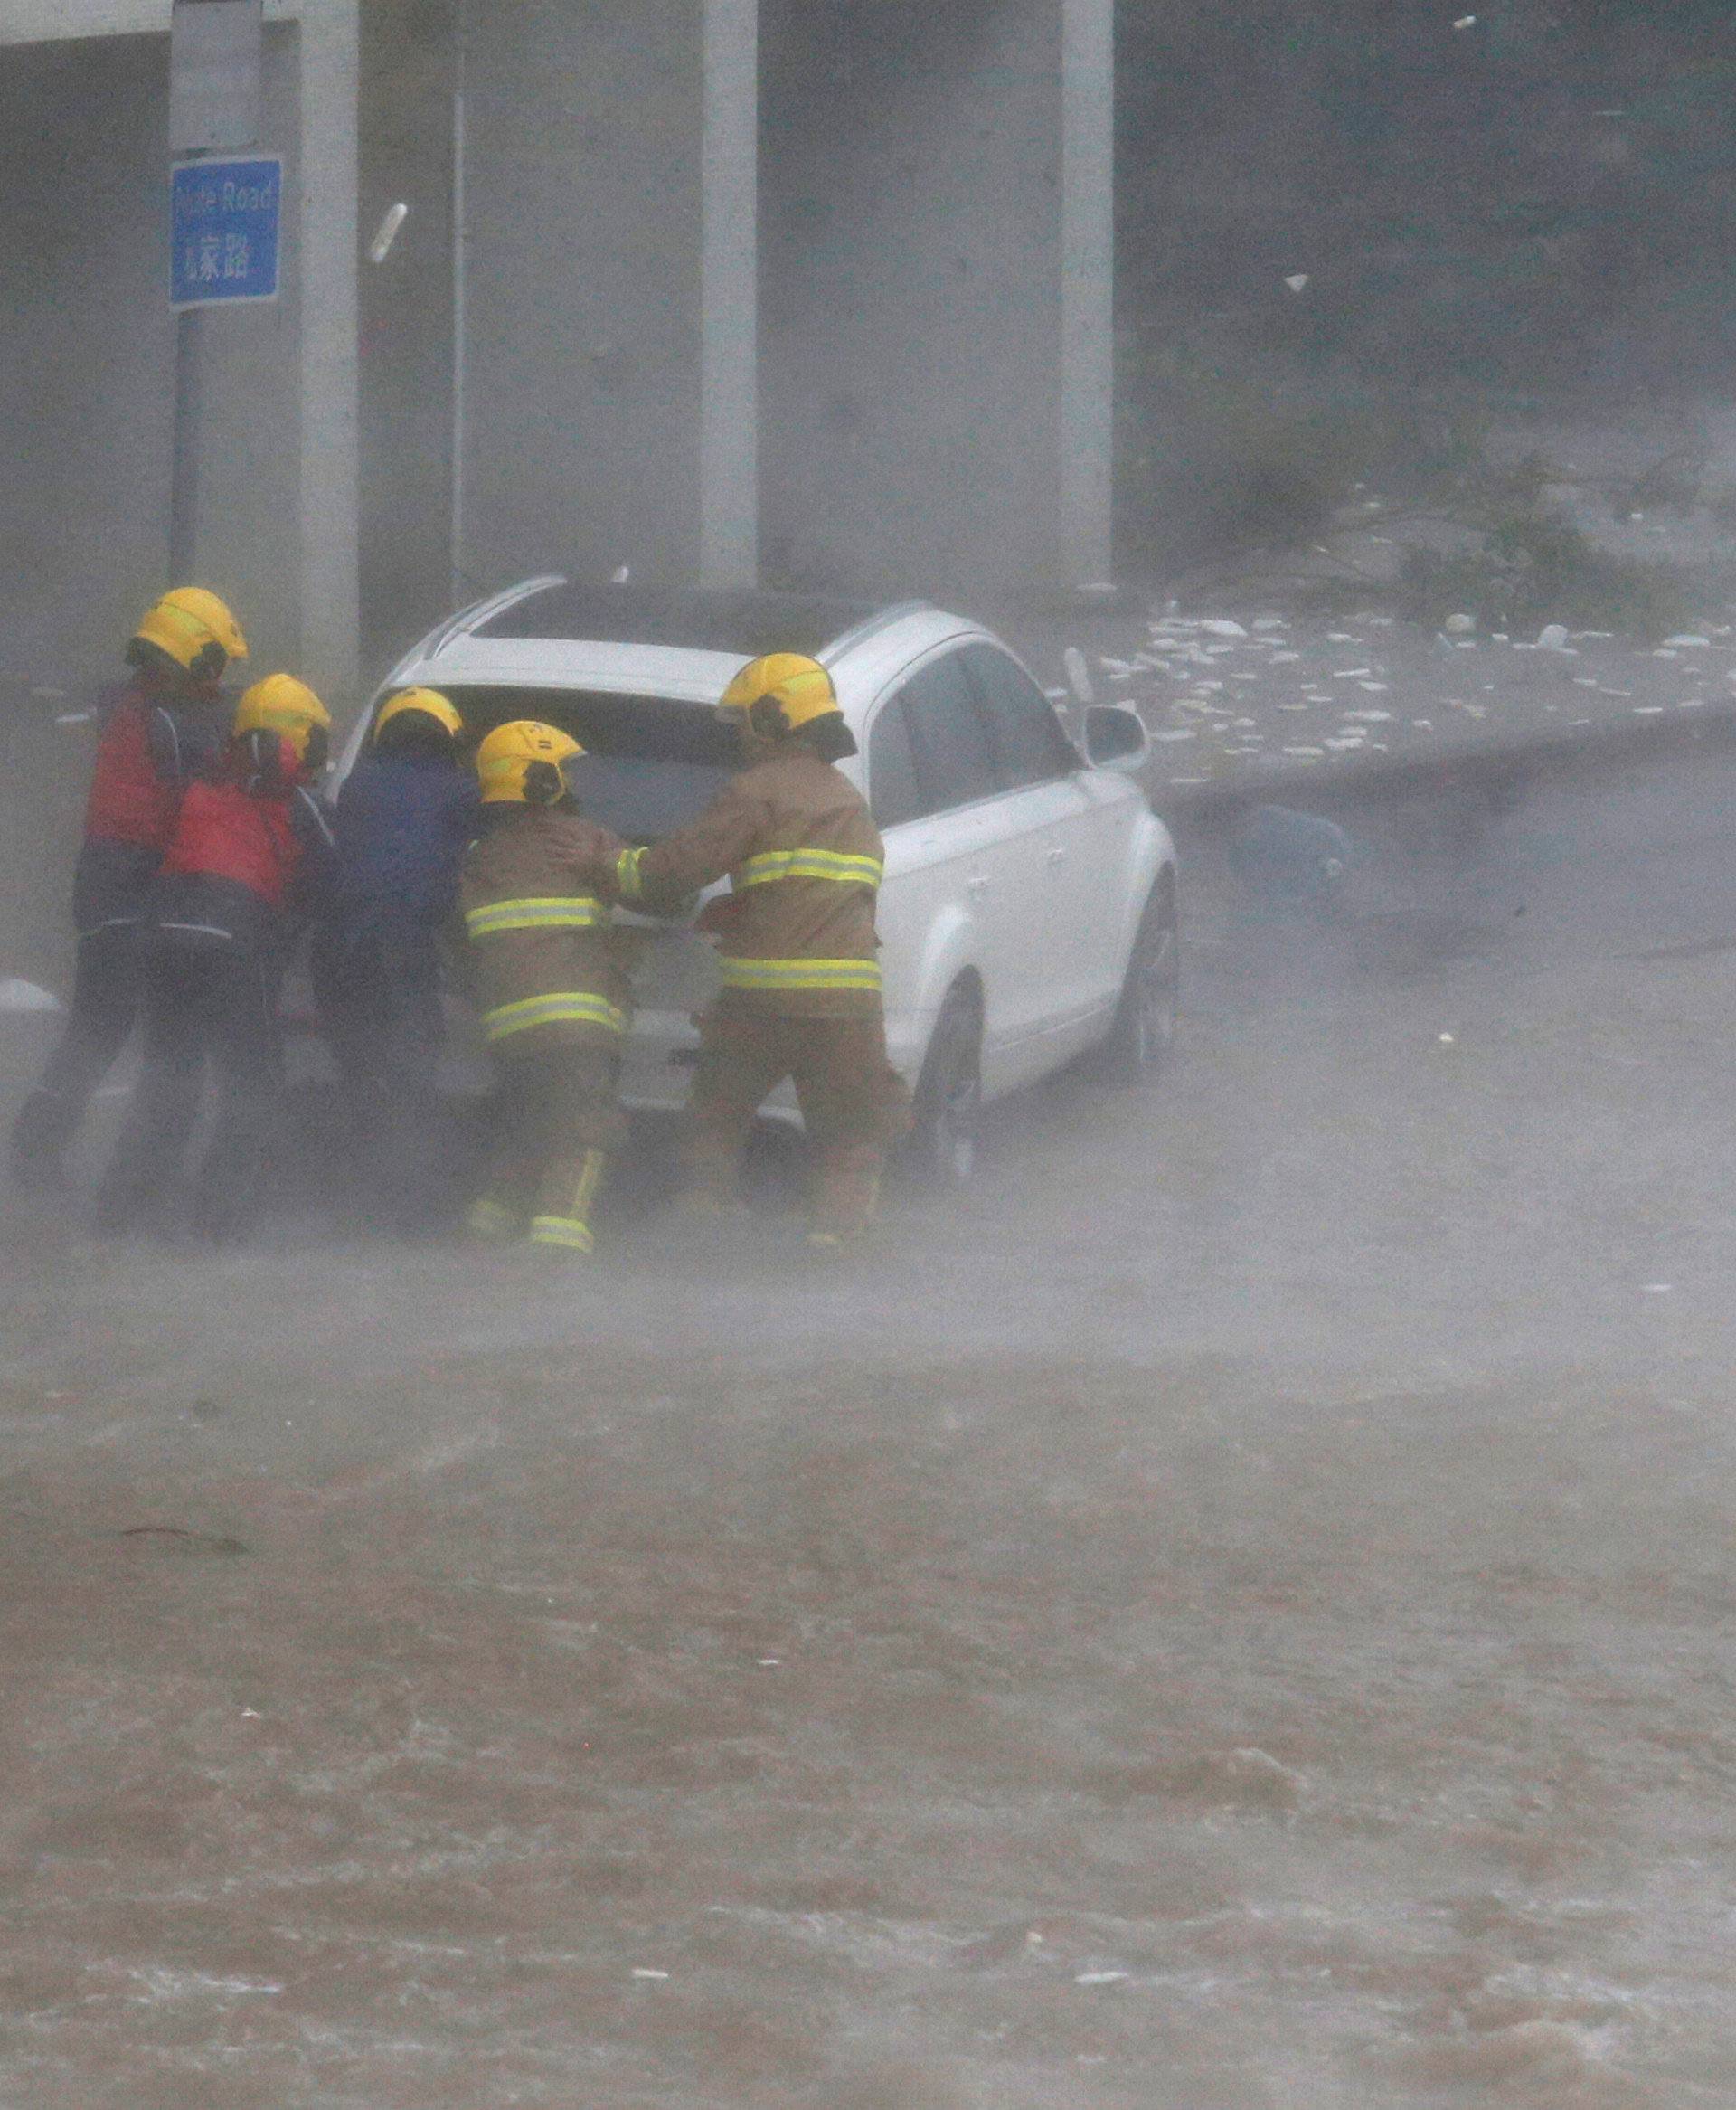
{"x": 402, "y": 825}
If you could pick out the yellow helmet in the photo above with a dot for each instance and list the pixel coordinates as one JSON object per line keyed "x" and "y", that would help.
{"x": 196, "y": 631}
{"x": 281, "y": 704}
{"x": 522, "y": 761}
{"x": 779, "y": 694}
{"x": 429, "y": 702}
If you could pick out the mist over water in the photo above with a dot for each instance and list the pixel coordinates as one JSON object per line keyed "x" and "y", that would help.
{"x": 1227, "y": 1613}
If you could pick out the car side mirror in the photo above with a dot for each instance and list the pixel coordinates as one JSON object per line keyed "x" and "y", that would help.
{"x": 1116, "y": 739}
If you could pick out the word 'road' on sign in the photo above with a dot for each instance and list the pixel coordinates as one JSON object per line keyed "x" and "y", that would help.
{"x": 223, "y": 231}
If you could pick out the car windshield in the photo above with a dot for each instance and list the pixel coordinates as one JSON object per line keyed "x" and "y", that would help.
{"x": 651, "y": 763}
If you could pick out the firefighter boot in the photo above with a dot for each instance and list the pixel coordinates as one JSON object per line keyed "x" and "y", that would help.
{"x": 713, "y": 1164}
{"x": 846, "y": 1191}
{"x": 562, "y": 1222}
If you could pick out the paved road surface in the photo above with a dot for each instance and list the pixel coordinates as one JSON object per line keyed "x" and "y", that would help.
{"x": 1234, "y": 1615}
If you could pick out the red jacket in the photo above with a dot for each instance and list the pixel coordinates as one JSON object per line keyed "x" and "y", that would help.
{"x": 144, "y": 760}
{"x": 239, "y": 865}
{"x": 228, "y": 834}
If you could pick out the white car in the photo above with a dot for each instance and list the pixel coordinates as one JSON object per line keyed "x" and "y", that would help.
{"x": 1028, "y": 909}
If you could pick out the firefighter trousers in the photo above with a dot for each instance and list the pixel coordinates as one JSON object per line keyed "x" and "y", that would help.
{"x": 558, "y": 1119}
{"x": 212, "y": 1006}
{"x": 853, "y": 1103}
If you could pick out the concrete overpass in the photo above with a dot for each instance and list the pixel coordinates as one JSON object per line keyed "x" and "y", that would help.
{"x": 816, "y": 291}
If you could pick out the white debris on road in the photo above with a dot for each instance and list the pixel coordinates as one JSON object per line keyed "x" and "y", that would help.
{"x": 1079, "y": 677}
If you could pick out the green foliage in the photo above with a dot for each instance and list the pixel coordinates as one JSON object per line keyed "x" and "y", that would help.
{"x": 1533, "y": 566}
{"x": 1540, "y": 206}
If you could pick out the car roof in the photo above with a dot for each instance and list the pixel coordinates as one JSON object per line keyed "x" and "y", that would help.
{"x": 744, "y": 623}
{"x": 680, "y": 643}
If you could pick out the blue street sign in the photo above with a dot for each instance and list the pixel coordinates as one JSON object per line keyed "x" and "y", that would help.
{"x": 223, "y": 231}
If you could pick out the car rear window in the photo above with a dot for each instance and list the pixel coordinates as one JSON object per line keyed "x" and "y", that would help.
{"x": 651, "y": 763}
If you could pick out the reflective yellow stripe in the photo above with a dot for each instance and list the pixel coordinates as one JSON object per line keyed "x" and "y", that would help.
{"x": 627, "y": 875}
{"x": 591, "y": 1178}
{"x": 800, "y": 974}
{"x": 488, "y": 1218}
{"x": 559, "y": 1007}
{"x": 573, "y": 911}
{"x": 566, "y": 1231}
{"x": 847, "y": 870}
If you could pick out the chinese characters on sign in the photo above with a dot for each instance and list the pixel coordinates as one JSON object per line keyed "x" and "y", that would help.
{"x": 223, "y": 231}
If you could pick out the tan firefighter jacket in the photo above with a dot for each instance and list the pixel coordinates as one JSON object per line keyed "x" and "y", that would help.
{"x": 543, "y": 962}
{"x": 796, "y": 934}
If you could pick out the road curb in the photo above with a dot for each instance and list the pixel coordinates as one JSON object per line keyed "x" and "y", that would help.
{"x": 1465, "y": 769}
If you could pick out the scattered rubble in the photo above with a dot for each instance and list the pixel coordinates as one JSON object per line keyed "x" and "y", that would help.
{"x": 1224, "y": 688}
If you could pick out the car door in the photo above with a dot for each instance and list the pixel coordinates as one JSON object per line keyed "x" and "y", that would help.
{"x": 1041, "y": 819}
{"x": 964, "y": 801}
{"x": 917, "y": 882}
{"x": 932, "y": 785}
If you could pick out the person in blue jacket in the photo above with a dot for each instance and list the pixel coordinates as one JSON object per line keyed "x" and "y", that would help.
{"x": 404, "y": 817}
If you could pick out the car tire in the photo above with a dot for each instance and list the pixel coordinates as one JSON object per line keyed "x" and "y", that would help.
{"x": 947, "y": 1114}
{"x": 1143, "y": 1035}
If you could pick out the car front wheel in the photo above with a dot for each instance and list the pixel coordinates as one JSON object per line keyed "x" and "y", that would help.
{"x": 1143, "y": 1035}
{"x": 948, "y": 1112}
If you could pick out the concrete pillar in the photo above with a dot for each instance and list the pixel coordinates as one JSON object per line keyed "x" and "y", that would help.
{"x": 84, "y": 264}
{"x": 936, "y": 222}
{"x": 729, "y": 553}
{"x": 1087, "y": 435}
{"x": 329, "y": 495}
{"x": 608, "y": 348}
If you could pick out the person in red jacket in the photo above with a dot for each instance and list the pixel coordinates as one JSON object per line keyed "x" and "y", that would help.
{"x": 250, "y": 858}
{"x": 158, "y": 731}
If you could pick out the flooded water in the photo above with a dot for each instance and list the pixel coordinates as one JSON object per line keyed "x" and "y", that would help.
{"x": 1235, "y": 1612}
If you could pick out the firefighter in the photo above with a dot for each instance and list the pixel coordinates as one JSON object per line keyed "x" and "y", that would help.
{"x": 281, "y": 704}
{"x": 404, "y": 816}
{"x": 550, "y": 986}
{"x": 801, "y": 993}
{"x": 250, "y": 855}
{"x": 158, "y": 728}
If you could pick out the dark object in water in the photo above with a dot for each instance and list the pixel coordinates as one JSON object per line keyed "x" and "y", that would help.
{"x": 1295, "y": 859}
{"x": 183, "y": 1541}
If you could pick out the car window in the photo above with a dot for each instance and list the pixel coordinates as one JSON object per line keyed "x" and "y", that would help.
{"x": 891, "y": 768}
{"x": 1030, "y": 746}
{"x": 651, "y": 763}
{"x": 953, "y": 760}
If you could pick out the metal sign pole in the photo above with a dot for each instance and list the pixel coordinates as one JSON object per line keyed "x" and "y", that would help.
{"x": 214, "y": 86}
{"x": 184, "y": 460}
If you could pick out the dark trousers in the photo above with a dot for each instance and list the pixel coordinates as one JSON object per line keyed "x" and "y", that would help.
{"x": 379, "y": 998}
{"x": 213, "y": 1006}
{"x": 105, "y": 1002}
